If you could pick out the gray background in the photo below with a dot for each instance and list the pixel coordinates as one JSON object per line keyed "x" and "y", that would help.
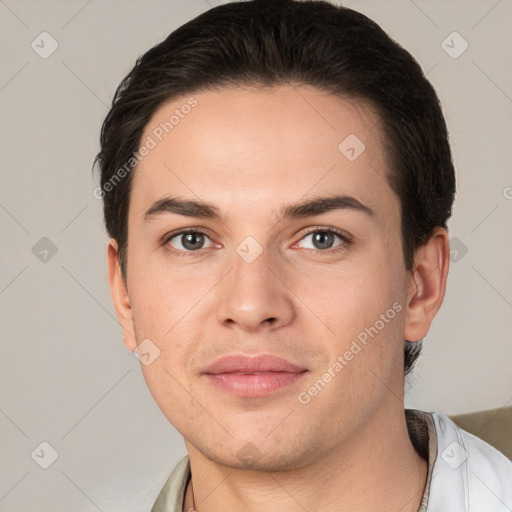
{"x": 65, "y": 375}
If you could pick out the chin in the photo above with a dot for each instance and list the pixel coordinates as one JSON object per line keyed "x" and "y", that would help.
{"x": 248, "y": 456}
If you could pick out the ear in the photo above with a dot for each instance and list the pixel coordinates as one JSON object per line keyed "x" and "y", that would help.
{"x": 427, "y": 284}
{"x": 119, "y": 294}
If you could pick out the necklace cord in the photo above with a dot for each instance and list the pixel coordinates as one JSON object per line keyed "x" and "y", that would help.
{"x": 193, "y": 500}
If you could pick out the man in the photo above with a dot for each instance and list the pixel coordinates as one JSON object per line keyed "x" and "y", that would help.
{"x": 277, "y": 179}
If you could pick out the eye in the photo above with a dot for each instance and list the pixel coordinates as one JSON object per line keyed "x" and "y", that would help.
{"x": 185, "y": 241}
{"x": 191, "y": 242}
{"x": 323, "y": 240}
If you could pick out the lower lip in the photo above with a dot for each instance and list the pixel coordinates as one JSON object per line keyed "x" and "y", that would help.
{"x": 253, "y": 385}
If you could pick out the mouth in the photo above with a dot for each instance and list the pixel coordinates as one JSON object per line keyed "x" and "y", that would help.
{"x": 253, "y": 384}
{"x": 245, "y": 376}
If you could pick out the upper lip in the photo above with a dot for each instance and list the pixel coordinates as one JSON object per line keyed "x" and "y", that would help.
{"x": 235, "y": 363}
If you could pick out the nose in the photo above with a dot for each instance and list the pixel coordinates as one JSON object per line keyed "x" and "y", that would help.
{"x": 254, "y": 295}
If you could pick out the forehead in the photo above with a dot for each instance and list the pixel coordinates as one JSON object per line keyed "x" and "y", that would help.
{"x": 251, "y": 146}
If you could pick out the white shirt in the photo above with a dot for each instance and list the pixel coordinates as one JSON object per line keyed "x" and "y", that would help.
{"x": 468, "y": 474}
{"x": 465, "y": 474}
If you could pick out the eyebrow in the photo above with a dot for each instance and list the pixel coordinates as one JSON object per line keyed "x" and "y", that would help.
{"x": 307, "y": 208}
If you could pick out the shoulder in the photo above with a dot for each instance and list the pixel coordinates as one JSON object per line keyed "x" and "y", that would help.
{"x": 468, "y": 473}
{"x": 170, "y": 498}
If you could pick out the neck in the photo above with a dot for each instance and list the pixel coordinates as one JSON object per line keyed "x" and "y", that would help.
{"x": 376, "y": 469}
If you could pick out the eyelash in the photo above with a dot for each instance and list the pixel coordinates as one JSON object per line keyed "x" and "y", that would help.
{"x": 346, "y": 241}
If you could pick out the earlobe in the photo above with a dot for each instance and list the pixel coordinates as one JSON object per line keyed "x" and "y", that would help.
{"x": 427, "y": 285}
{"x": 119, "y": 295}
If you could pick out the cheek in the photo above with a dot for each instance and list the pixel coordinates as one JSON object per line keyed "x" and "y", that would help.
{"x": 348, "y": 298}
{"x": 172, "y": 312}
{"x": 160, "y": 296}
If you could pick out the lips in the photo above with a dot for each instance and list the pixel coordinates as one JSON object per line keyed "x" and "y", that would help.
{"x": 245, "y": 376}
{"x": 252, "y": 365}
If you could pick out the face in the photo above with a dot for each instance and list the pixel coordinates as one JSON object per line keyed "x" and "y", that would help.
{"x": 322, "y": 286}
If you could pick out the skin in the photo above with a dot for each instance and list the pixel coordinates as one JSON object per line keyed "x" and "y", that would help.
{"x": 249, "y": 152}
